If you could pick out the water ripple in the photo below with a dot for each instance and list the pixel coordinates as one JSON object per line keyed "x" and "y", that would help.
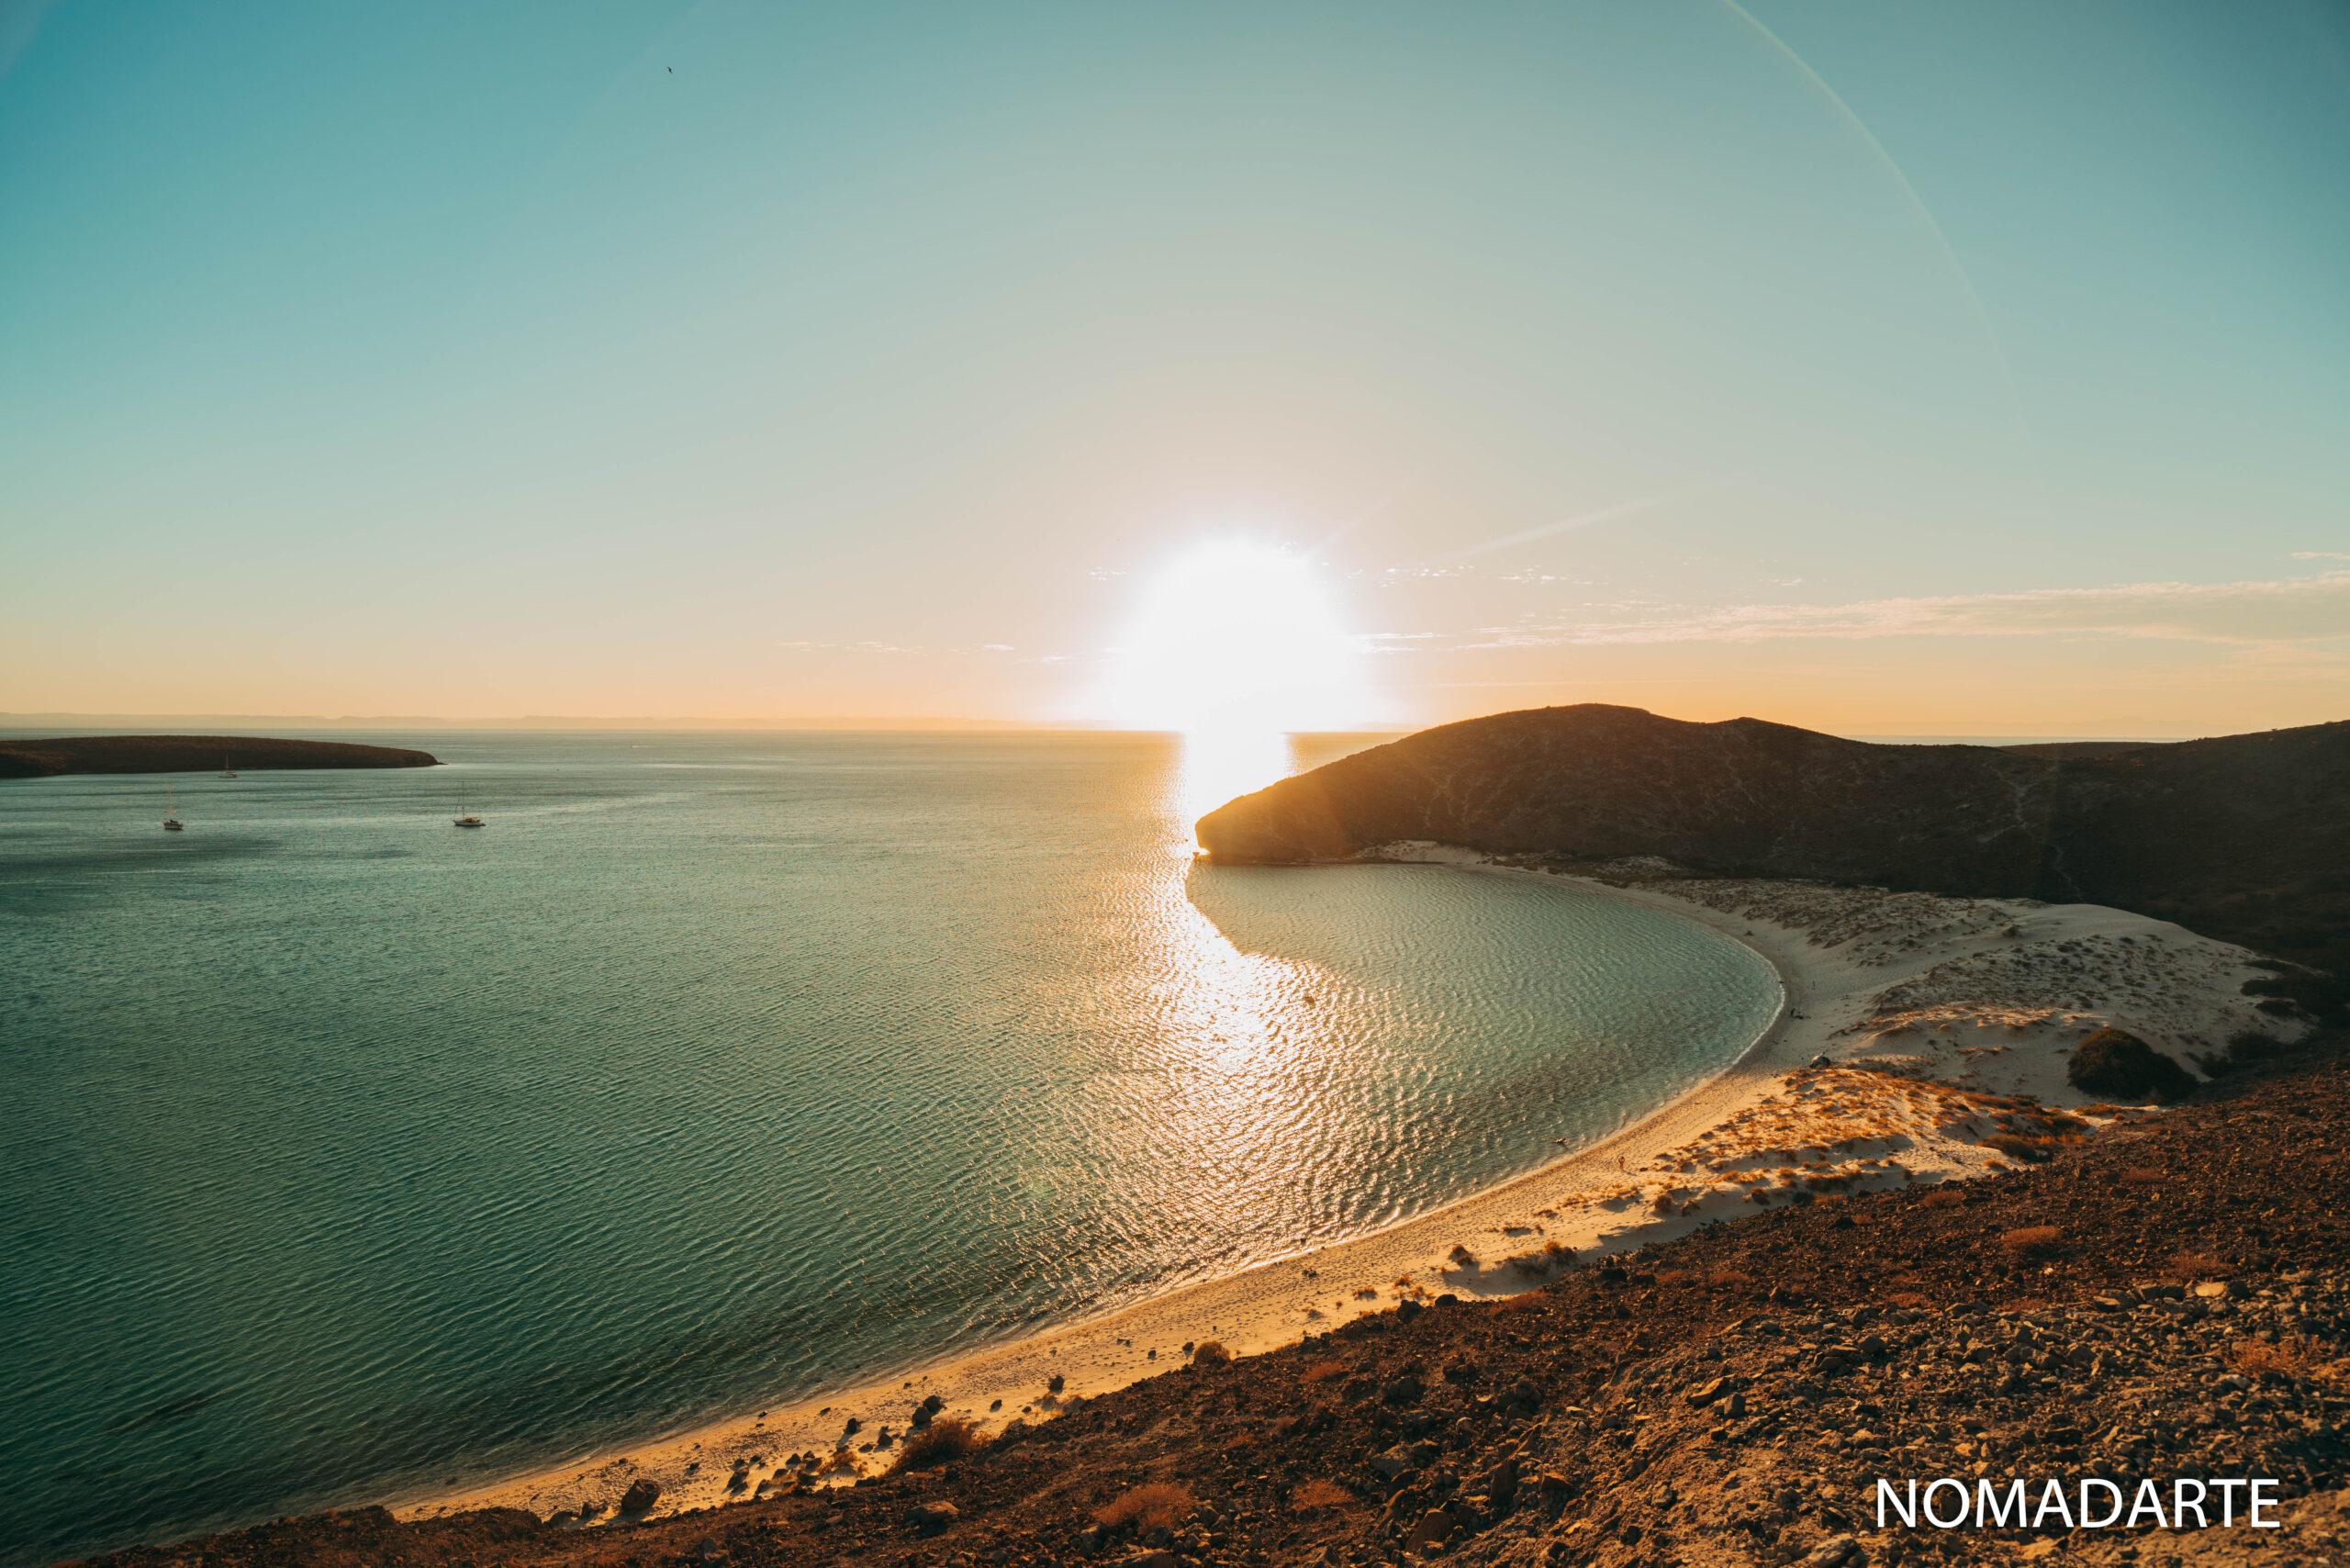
{"x": 347, "y": 1153}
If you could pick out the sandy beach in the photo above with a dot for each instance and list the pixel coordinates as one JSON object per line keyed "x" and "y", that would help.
{"x": 1934, "y": 1014}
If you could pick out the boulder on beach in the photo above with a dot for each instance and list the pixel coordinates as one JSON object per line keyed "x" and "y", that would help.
{"x": 641, "y": 1493}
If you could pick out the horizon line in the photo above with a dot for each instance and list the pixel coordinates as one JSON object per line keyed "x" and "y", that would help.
{"x": 941, "y": 722}
{"x": 904, "y": 723}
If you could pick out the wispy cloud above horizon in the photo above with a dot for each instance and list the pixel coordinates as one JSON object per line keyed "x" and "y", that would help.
{"x": 2297, "y": 610}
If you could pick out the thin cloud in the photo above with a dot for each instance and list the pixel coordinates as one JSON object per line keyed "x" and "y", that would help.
{"x": 849, "y": 648}
{"x": 1572, "y": 525}
{"x": 18, "y": 23}
{"x": 2301, "y": 609}
{"x": 870, "y": 647}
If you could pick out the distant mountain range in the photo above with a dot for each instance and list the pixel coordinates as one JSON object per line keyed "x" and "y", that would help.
{"x": 2245, "y": 837}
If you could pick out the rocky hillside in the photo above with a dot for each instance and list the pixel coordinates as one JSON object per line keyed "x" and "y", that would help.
{"x": 2245, "y": 837}
{"x": 193, "y": 754}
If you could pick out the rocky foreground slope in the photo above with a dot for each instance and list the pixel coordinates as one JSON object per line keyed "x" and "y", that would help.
{"x": 2245, "y": 837}
{"x": 2161, "y": 1299}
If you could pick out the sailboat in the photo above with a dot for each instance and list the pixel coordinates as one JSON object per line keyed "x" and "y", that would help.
{"x": 172, "y": 822}
{"x": 464, "y": 818}
{"x": 226, "y": 771}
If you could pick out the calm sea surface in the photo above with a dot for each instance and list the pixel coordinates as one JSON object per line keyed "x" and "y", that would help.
{"x": 345, "y": 1153}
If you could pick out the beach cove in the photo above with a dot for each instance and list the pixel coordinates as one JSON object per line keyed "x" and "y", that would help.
{"x": 1934, "y": 1014}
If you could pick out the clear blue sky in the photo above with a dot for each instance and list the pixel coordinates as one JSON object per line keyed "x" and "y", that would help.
{"x": 1907, "y": 368}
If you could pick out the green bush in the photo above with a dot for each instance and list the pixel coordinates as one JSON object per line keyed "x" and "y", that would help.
{"x": 2117, "y": 1063}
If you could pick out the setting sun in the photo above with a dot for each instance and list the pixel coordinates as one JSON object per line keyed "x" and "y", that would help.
{"x": 1238, "y": 637}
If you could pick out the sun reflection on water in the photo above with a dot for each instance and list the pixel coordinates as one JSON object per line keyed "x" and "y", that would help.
{"x": 1245, "y": 1033}
{"x": 1223, "y": 764}
{"x": 1244, "y": 1037}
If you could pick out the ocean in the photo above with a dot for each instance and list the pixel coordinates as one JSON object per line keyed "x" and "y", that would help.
{"x": 347, "y": 1154}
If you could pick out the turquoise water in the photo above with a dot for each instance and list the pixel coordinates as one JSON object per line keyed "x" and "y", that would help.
{"x": 347, "y": 1153}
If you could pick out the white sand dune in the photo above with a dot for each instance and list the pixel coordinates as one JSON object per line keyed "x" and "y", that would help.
{"x": 1928, "y": 1006}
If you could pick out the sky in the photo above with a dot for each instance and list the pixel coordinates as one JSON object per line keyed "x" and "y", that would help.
{"x": 1883, "y": 368}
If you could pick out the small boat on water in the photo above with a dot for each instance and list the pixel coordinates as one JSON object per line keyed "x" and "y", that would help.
{"x": 172, "y": 822}
{"x": 464, "y": 818}
{"x": 226, "y": 771}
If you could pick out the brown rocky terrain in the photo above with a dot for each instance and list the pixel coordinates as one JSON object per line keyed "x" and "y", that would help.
{"x": 2245, "y": 837}
{"x": 2167, "y": 1296}
{"x": 193, "y": 754}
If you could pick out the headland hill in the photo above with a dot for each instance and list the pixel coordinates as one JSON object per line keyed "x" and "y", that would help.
{"x": 193, "y": 754}
{"x": 2243, "y": 838}
{"x": 2036, "y": 1174}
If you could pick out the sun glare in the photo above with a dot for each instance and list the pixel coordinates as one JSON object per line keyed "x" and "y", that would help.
{"x": 1237, "y": 638}
{"x": 1237, "y": 645}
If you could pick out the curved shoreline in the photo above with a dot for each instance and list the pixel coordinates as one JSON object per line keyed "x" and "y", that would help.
{"x": 1937, "y": 1002}
{"x": 1268, "y": 1305}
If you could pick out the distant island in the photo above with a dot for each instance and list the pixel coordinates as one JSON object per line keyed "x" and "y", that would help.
{"x": 2245, "y": 837}
{"x": 193, "y": 754}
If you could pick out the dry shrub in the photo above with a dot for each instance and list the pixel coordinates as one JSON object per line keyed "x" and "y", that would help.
{"x": 1319, "y": 1494}
{"x": 1153, "y": 1505}
{"x": 2117, "y": 1062}
{"x": 2189, "y": 1265}
{"x": 945, "y": 1439}
{"x": 1942, "y": 1200}
{"x": 2287, "y": 1357}
{"x": 2030, "y": 1239}
{"x": 1323, "y": 1372}
{"x": 1673, "y": 1276}
{"x": 1211, "y": 1353}
{"x": 1730, "y": 1278}
{"x": 1907, "y": 1299}
{"x": 1462, "y": 1256}
{"x": 2141, "y": 1175}
{"x": 1528, "y": 1301}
